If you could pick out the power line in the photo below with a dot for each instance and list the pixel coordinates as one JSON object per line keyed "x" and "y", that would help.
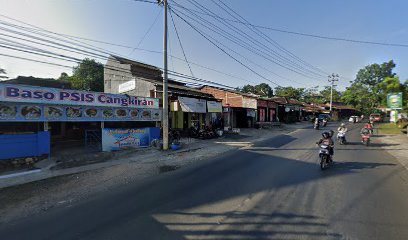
{"x": 277, "y": 58}
{"x": 181, "y": 45}
{"x": 300, "y": 33}
{"x": 224, "y": 51}
{"x": 35, "y": 31}
{"x": 44, "y": 53}
{"x": 269, "y": 39}
{"x": 147, "y": 32}
{"x": 237, "y": 53}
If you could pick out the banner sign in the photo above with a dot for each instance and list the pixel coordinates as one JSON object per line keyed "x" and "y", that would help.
{"x": 31, "y": 94}
{"x": 394, "y": 100}
{"x": 251, "y": 113}
{"x": 127, "y": 86}
{"x": 261, "y": 103}
{"x": 114, "y": 139}
{"x": 194, "y": 105}
{"x": 20, "y": 112}
{"x": 272, "y": 105}
{"x": 214, "y": 107}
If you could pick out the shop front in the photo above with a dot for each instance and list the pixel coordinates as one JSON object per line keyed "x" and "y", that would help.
{"x": 68, "y": 116}
{"x": 262, "y": 111}
{"x": 187, "y": 112}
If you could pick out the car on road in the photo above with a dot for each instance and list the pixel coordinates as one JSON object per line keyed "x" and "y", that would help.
{"x": 376, "y": 117}
{"x": 354, "y": 119}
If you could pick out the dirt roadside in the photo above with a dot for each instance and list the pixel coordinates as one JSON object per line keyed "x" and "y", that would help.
{"x": 24, "y": 200}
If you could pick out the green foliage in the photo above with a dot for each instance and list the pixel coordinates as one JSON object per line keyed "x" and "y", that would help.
{"x": 360, "y": 96}
{"x": 290, "y": 92}
{"x": 263, "y": 89}
{"x": 88, "y": 76}
{"x": 326, "y": 92}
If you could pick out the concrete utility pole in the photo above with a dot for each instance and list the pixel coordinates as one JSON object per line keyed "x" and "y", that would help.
{"x": 332, "y": 78}
{"x": 165, "y": 120}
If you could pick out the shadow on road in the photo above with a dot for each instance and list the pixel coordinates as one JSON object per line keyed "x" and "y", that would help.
{"x": 353, "y": 166}
{"x": 247, "y": 225}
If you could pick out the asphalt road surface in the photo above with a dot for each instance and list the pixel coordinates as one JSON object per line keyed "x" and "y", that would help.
{"x": 272, "y": 190}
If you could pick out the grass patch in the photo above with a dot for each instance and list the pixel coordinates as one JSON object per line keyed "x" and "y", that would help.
{"x": 389, "y": 128}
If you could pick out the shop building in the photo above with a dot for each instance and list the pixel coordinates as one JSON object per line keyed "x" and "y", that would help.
{"x": 188, "y": 106}
{"x": 239, "y": 109}
{"x": 63, "y": 117}
{"x": 267, "y": 111}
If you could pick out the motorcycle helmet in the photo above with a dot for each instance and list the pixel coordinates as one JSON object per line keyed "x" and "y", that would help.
{"x": 342, "y": 125}
{"x": 325, "y": 135}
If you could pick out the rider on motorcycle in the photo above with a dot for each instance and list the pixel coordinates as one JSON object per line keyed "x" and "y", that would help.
{"x": 342, "y": 128}
{"x": 327, "y": 140}
{"x": 369, "y": 126}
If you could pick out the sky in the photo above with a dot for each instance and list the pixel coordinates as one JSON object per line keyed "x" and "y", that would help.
{"x": 126, "y": 22}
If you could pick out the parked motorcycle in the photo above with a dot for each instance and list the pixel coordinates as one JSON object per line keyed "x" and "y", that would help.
{"x": 341, "y": 137}
{"x": 174, "y": 136}
{"x": 324, "y": 155}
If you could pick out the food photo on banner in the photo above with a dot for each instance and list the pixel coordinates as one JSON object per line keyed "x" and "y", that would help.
{"x": 114, "y": 139}
{"x": 21, "y": 112}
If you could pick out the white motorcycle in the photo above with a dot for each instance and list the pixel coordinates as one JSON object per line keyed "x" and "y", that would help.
{"x": 324, "y": 155}
{"x": 341, "y": 137}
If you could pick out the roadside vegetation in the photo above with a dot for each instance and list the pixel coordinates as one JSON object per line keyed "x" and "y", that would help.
{"x": 390, "y": 128}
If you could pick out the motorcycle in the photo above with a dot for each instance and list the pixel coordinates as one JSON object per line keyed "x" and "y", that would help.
{"x": 316, "y": 125}
{"x": 365, "y": 139}
{"x": 324, "y": 155}
{"x": 341, "y": 137}
{"x": 324, "y": 123}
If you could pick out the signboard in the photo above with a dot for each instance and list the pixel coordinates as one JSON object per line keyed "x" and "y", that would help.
{"x": 272, "y": 105}
{"x": 114, "y": 139}
{"x": 127, "y": 86}
{"x": 194, "y": 105}
{"x": 249, "y": 103}
{"x": 251, "y": 113}
{"x": 261, "y": 103}
{"x": 394, "y": 100}
{"x": 21, "y": 112}
{"x": 214, "y": 107}
{"x": 30, "y": 94}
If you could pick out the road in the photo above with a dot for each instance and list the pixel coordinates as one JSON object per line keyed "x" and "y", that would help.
{"x": 272, "y": 190}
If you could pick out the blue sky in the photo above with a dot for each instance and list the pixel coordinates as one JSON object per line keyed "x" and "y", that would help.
{"x": 126, "y": 22}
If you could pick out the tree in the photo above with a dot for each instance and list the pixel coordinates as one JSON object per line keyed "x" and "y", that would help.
{"x": 262, "y": 89}
{"x": 311, "y": 95}
{"x": 247, "y": 89}
{"x": 372, "y": 75}
{"x": 88, "y": 76}
{"x": 326, "y": 92}
{"x": 64, "y": 77}
{"x": 3, "y": 74}
{"x": 360, "y": 97}
{"x": 290, "y": 92}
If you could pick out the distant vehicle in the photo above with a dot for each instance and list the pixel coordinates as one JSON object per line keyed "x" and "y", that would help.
{"x": 376, "y": 117}
{"x": 324, "y": 116}
{"x": 354, "y": 119}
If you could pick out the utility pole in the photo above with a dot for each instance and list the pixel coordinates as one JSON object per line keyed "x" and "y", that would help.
{"x": 165, "y": 115}
{"x": 332, "y": 78}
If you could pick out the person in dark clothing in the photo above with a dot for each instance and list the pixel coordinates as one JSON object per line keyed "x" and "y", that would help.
{"x": 327, "y": 140}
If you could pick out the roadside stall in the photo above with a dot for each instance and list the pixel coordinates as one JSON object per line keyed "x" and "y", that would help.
{"x": 62, "y": 116}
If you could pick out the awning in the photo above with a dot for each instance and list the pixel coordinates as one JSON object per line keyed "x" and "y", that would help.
{"x": 214, "y": 107}
{"x": 193, "y": 105}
